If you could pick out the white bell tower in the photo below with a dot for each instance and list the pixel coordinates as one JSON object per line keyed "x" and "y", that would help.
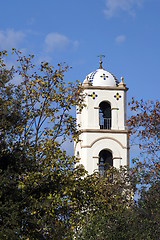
{"x": 103, "y": 136}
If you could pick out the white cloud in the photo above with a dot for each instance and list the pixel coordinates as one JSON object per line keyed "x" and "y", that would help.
{"x": 56, "y": 41}
{"x": 114, "y": 6}
{"x": 10, "y": 39}
{"x": 120, "y": 39}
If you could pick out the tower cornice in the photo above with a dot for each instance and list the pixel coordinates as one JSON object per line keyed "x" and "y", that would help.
{"x": 106, "y": 88}
{"x": 104, "y": 131}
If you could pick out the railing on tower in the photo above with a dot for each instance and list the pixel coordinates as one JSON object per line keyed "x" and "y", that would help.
{"x": 106, "y": 123}
{"x": 105, "y": 115}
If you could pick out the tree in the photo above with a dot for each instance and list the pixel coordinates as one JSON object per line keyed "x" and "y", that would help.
{"x": 129, "y": 217}
{"x": 145, "y": 127}
{"x": 10, "y": 118}
{"x": 145, "y": 131}
{"x": 110, "y": 207}
{"x": 44, "y": 193}
{"x": 38, "y": 178}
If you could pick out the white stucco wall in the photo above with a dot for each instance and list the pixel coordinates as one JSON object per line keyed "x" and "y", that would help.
{"x": 90, "y": 114}
{"x": 93, "y": 139}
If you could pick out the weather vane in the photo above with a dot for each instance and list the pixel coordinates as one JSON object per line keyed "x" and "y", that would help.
{"x": 100, "y": 60}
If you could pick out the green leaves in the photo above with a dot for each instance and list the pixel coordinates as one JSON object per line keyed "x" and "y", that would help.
{"x": 46, "y": 194}
{"x": 37, "y": 177}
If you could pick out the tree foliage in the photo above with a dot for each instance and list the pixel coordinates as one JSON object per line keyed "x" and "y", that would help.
{"x": 133, "y": 217}
{"x": 37, "y": 178}
{"x": 144, "y": 126}
{"x": 44, "y": 193}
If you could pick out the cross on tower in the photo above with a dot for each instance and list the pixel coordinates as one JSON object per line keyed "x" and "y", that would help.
{"x": 117, "y": 96}
{"x": 104, "y": 76}
{"x": 100, "y": 60}
{"x": 93, "y": 95}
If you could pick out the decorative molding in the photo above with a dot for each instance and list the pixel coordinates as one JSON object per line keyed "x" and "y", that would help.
{"x": 104, "y": 76}
{"x": 93, "y": 95}
{"x": 104, "y": 138}
{"x": 117, "y": 96}
{"x": 106, "y": 88}
{"x": 104, "y": 131}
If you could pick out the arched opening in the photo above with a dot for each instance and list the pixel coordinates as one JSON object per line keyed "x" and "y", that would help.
{"x": 105, "y": 115}
{"x": 105, "y": 161}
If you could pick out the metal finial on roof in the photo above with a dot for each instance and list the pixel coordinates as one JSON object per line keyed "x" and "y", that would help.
{"x": 100, "y": 61}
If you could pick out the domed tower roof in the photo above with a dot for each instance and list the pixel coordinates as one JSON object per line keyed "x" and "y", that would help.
{"x": 101, "y": 77}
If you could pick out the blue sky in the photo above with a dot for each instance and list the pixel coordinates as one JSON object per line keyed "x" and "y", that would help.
{"x": 127, "y": 32}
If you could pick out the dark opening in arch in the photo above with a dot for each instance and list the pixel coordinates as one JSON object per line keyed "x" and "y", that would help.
{"x": 105, "y": 161}
{"x": 105, "y": 115}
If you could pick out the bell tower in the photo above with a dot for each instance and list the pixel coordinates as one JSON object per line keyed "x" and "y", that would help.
{"x": 103, "y": 139}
